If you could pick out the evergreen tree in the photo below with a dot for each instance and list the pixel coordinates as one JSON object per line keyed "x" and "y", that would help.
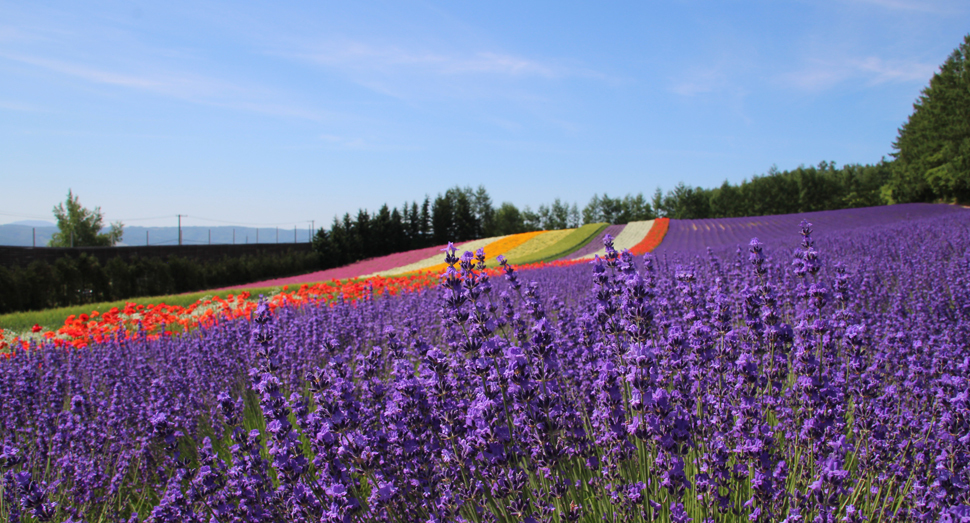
{"x": 383, "y": 239}
{"x": 424, "y": 222}
{"x": 442, "y": 220}
{"x": 933, "y": 146}
{"x": 484, "y": 213}
{"x": 323, "y": 247}
{"x": 363, "y": 237}
{"x": 466, "y": 227}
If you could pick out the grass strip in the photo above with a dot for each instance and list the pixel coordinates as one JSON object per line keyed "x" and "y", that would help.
{"x": 569, "y": 244}
{"x": 535, "y": 244}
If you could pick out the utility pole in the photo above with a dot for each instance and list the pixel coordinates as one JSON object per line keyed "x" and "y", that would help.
{"x": 257, "y": 235}
{"x": 210, "y": 236}
{"x": 180, "y": 230}
{"x": 313, "y": 227}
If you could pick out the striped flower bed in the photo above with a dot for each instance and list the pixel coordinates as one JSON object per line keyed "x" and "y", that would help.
{"x": 653, "y": 238}
{"x": 510, "y": 242}
{"x": 539, "y": 242}
{"x": 596, "y": 244}
{"x": 628, "y": 237}
{"x": 370, "y": 267}
{"x": 492, "y": 250}
{"x": 520, "y": 249}
{"x": 570, "y": 243}
{"x": 434, "y": 259}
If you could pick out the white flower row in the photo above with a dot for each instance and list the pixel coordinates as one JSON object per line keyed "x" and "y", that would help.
{"x": 632, "y": 234}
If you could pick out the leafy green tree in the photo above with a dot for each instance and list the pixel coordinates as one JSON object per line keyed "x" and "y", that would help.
{"x": 603, "y": 209}
{"x": 574, "y": 216}
{"x": 591, "y": 213}
{"x": 634, "y": 209}
{"x": 80, "y": 227}
{"x": 531, "y": 219}
{"x": 507, "y": 220}
{"x": 558, "y": 215}
{"x": 933, "y": 146}
{"x": 545, "y": 217}
{"x": 726, "y": 201}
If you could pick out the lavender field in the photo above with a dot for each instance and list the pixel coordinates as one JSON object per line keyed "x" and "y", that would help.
{"x": 782, "y": 230}
{"x": 818, "y": 373}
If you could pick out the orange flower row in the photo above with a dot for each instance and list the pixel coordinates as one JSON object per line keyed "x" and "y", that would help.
{"x": 493, "y": 250}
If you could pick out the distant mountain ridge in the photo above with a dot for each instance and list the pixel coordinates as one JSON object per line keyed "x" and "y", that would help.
{"x": 34, "y": 223}
{"x": 21, "y": 235}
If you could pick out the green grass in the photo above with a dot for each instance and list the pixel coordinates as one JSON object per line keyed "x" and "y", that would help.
{"x": 54, "y": 318}
{"x": 571, "y": 243}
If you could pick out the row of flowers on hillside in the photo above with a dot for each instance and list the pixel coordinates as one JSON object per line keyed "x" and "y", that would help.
{"x": 154, "y": 321}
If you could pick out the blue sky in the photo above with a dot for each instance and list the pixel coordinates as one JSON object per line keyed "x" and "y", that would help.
{"x": 271, "y": 113}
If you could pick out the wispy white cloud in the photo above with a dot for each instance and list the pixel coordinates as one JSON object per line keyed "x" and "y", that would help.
{"x": 6, "y": 105}
{"x": 880, "y": 71}
{"x": 343, "y": 142}
{"x": 179, "y": 85}
{"x": 165, "y": 85}
{"x": 361, "y": 56}
{"x": 700, "y": 81}
{"x": 820, "y": 75}
{"x": 9, "y": 34}
{"x": 415, "y": 74}
{"x": 723, "y": 73}
{"x": 503, "y": 123}
{"x": 921, "y": 6}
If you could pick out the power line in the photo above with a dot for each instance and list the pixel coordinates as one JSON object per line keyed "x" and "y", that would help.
{"x": 143, "y": 219}
{"x": 26, "y": 216}
{"x": 244, "y": 223}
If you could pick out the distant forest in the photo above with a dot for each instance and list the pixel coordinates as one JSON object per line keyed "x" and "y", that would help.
{"x": 463, "y": 213}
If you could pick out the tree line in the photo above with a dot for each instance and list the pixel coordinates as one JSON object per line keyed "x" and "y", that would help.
{"x": 804, "y": 189}
{"x": 459, "y": 214}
